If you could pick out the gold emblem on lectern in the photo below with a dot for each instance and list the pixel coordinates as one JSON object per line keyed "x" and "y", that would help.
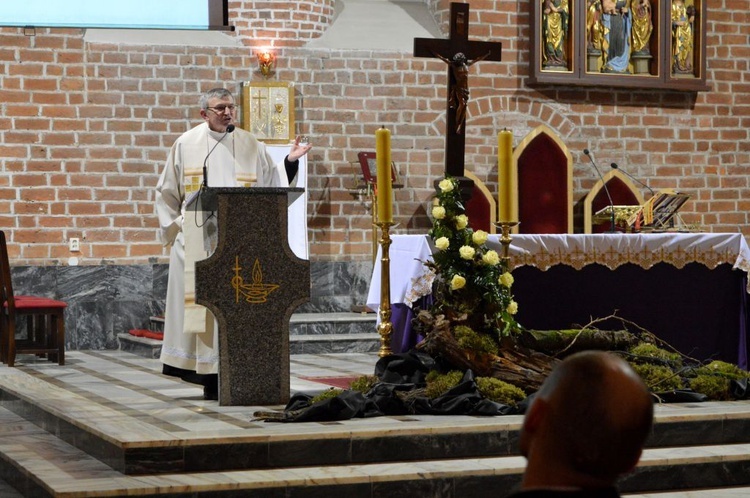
{"x": 256, "y": 292}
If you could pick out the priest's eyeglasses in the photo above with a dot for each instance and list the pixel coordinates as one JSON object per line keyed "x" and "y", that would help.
{"x": 221, "y": 109}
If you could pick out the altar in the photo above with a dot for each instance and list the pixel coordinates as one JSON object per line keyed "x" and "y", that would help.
{"x": 689, "y": 289}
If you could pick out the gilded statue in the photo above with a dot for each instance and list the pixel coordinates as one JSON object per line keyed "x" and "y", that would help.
{"x": 594, "y": 28}
{"x": 555, "y": 21}
{"x": 643, "y": 26}
{"x": 682, "y": 37}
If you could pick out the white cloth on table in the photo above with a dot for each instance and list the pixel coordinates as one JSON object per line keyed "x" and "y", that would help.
{"x": 575, "y": 250}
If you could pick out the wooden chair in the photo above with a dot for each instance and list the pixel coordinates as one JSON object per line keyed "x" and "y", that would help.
{"x": 544, "y": 178}
{"x": 45, "y": 320}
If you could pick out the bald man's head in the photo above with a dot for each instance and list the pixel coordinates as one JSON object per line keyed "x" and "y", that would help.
{"x": 593, "y": 416}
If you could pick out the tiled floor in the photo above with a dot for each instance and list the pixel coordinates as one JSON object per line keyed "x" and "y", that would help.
{"x": 126, "y": 399}
{"x": 99, "y": 387}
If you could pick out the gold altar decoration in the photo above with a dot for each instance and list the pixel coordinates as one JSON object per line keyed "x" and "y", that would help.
{"x": 505, "y": 239}
{"x": 623, "y": 216}
{"x": 268, "y": 110}
{"x": 659, "y": 213}
{"x": 254, "y": 293}
{"x": 385, "y": 327}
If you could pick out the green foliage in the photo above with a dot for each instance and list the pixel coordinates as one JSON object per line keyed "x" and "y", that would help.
{"x": 646, "y": 350}
{"x": 713, "y": 379}
{"x": 477, "y": 296}
{"x": 658, "y": 377}
{"x": 500, "y": 391}
{"x": 722, "y": 369}
{"x": 713, "y": 386}
{"x": 330, "y": 393}
{"x": 468, "y": 339}
{"x": 364, "y": 383}
{"x": 438, "y": 384}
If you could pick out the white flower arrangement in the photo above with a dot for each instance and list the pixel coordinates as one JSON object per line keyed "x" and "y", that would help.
{"x": 472, "y": 282}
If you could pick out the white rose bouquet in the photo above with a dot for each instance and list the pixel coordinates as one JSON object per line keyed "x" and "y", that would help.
{"x": 472, "y": 285}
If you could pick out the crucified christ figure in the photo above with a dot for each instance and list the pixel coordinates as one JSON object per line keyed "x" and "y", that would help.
{"x": 459, "y": 91}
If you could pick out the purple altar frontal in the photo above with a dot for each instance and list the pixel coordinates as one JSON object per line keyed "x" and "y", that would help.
{"x": 689, "y": 289}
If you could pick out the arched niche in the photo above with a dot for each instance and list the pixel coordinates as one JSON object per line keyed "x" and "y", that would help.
{"x": 623, "y": 191}
{"x": 544, "y": 178}
{"x": 481, "y": 207}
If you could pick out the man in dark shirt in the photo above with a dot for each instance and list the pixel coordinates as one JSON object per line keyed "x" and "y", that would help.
{"x": 585, "y": 427}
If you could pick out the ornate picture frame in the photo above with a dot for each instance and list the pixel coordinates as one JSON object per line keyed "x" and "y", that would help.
{"x": 657, "y": 44}
{"x": 268, "y": 110}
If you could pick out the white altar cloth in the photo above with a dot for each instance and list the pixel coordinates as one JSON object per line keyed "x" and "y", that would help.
{"x": 407, "y": 252}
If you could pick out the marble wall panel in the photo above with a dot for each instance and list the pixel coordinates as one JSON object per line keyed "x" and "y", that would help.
{"x": 337, "y": 286}
{"x": 35, "y": 280}
{"x": 134, "y": 282}
{"x": 85, "y": 283}
{"x": 90, "y": 325}
{"x": 109, "y": 299}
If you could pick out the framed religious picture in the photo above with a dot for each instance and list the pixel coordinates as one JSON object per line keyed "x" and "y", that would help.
{"x": 268, "y": 110}
{"x": 370, "y": 169}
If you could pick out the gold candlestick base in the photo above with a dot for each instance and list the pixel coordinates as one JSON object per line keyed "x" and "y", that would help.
{"x": 385, "y": 327}
{"x": 505, "y": 239}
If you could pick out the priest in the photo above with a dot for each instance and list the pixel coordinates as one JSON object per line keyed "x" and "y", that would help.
{"x": 218, "y": 154}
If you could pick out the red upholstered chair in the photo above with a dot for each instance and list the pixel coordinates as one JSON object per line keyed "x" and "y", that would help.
{"x": 482, "y": 207}
{"x": 623, "y": 191}
{"x": 544, "y": 172}
{"x": 44, "y": 319}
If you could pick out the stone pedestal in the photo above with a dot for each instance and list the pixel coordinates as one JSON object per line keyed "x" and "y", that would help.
{"x": 641, "y": 63}
{"x": 252, "y": 283}
{"x": 593, "y": 57}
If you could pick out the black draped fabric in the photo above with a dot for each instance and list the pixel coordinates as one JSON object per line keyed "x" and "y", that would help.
{"x": 403, "y": 375}
{"x": 399, "y": 374}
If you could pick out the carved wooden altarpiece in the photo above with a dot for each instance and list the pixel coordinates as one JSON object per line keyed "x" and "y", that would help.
{"x": 662, "y": 43}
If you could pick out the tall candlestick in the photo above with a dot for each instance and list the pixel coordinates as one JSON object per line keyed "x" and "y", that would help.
{"x": 384, "y": 180}
{"x": 505, "y": 174}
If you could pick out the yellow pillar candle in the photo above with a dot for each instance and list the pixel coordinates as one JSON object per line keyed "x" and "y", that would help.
{"x": 384, "y": 180}
{"x": 505, "y": 174}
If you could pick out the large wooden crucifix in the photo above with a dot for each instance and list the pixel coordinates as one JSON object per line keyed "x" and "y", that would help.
{"x": 459, "y": 53}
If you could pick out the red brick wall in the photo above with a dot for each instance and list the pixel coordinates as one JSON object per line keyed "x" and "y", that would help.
{"x": 84, "y": 127}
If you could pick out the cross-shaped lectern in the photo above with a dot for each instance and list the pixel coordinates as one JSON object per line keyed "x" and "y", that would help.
{"x": 459, "y": 53}
{"x": 252, "y": 283}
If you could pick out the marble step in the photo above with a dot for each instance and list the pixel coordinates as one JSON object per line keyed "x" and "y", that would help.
{"x": 82, "y": 412}
{"x": 727, "y": 492}
{"x": 309, "y": 333}
{"x": 38, "y": 464}
{"x": 142, "y": 346}
{"x": 332, "y": 323}
{"x": 312, "y": 333}
{"x": 109, "y": 424}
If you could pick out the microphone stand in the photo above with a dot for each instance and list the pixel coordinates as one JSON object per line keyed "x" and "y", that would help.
{"x": 615, "y": 166}
{"x": 606, "y": 190}
{"x": 230, "y": 129}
